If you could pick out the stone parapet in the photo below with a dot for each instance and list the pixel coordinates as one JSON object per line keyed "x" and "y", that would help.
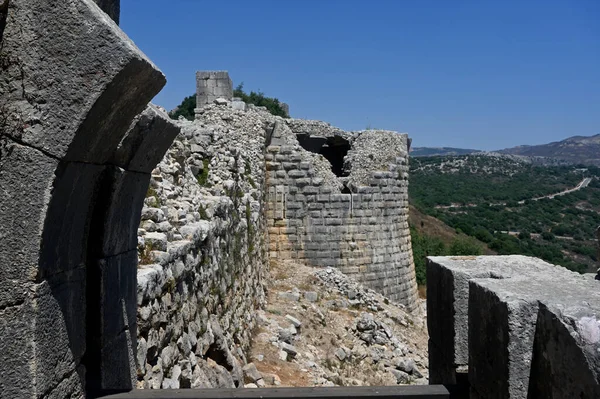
{"x": 490, "y": 315}
{"x": 202, "y": 245}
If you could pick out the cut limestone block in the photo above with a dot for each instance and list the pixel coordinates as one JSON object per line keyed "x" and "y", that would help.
{"x": 566, "y": 351}
{"x": 212, "y": 85}
{"x": 448, "y": 300}
{"x": 72, "y": 82}
{"x": 147, "y": 140}
{"x": 502, "y": 324}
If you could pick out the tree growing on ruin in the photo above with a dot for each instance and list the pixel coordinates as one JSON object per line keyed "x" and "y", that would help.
{"x": 273, "y": 105}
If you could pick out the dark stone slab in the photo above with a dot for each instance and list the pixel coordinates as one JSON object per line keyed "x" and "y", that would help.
{"x": 502, "y": 326}
{"x": 448, "y": 302}
{"x": 78, "y": 85}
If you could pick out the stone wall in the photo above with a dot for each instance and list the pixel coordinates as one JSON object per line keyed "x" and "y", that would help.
{"x": 202, "y": 245}
{"x": 363, "y": 233}
{"x": 520, "y": 327}
{"x": 209, "y": 227}
{"x": 211, "y": 85}
{"x": 73, "y": 175}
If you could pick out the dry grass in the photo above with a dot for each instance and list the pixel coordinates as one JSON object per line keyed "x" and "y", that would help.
{"x": 279, "y": 271}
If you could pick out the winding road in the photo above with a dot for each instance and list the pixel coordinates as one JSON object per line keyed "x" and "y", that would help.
{"x": 582, "y": 184}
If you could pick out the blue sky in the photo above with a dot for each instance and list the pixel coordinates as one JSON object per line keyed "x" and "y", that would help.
{"x": 473, "y": 74}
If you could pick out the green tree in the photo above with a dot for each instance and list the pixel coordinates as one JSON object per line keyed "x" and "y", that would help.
{"x": 422, "y": 247}
{"x": 259, "y": 99}
{"x": 185, "y": 109}
{"x": 524, "y": 235}
{"x": 273, "y": 105}
{"x": 548, "y": 236}
{"x": 462, "y": 246}
{"x": 483, "y": 234}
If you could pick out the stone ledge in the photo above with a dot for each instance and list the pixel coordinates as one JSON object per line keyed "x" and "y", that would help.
{"x": 448, "y": 300}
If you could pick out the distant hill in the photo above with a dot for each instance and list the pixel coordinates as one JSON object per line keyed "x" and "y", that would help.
{"x": 434, "y": 151}
{"x": 495, "y": 198}
{"x": 577, "y": 150}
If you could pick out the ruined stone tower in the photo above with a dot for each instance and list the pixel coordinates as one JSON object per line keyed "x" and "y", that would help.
{"x": 340, "y": 199}
{"x": 211, "y": 85}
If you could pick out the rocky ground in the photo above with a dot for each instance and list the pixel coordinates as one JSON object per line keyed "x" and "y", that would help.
{"x": 321, "y": 328}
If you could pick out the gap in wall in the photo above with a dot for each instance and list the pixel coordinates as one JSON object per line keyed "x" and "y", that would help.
{"x": 334, "y": 149}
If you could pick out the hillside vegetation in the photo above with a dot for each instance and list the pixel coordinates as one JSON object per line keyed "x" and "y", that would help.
{"x": 434, "y": 151}
{"x": 491, "y": 198}
{"x": 432, "y": 237}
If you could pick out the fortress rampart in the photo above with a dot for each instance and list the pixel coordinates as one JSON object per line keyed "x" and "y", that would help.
{"x": 135, "y": 249}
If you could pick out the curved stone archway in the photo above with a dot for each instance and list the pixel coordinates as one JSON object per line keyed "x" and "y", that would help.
{"x": 74, "y": 169}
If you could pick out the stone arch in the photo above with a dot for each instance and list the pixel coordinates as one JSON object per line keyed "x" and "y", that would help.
{"x": 74, "y": 170}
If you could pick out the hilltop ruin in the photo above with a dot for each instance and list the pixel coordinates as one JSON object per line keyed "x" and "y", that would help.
{"x": 135, "y": 249}
{"x": 238, "y": 190}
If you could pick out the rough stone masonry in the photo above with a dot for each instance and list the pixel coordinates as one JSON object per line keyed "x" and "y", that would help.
{"x": 79, "y": 147}
{"x": 212, "y": 221}
{"x": 73, "y": 175}
{"x": 341, "y": 199}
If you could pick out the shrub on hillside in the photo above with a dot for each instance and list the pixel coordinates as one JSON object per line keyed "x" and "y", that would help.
{"x": 464, "y": 246}
{"x": 422, "y": 247}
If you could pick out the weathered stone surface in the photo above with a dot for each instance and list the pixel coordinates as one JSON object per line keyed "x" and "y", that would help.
{"x": 448, "y": 299}
{"x": 251, "y": 374}
{"x": 213, "y": 85}
{"x": 290, "y": 296}
{"x": 68, "y": 109}
{"x": 111, "y": 7}
{"x": 295, "y": 322}
{"x": 566, "y": 352}
{"x": 502, "y": 324}
{"x": 24, "y": 173}
{"x": 118, "y": 370}
{"x": 16, "y": 331}
{"x": 289, "y": 349}
{"x": 156, "y": 241}
{"x": 70, "y": 84}
{"x": 51, "y": 315}
{"x": 501, "y": 329}
{"x": 311, "y": 296}
{"x": 339, "y": 199}
{"x": 147, "y": 140}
